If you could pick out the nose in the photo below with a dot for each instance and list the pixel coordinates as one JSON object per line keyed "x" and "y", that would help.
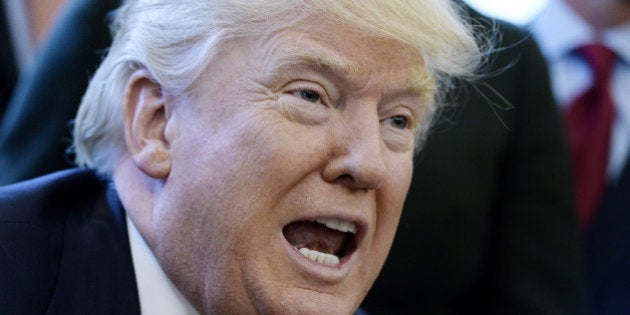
{"x": 356, "y": 156}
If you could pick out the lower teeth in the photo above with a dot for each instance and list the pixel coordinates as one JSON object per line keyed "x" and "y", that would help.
{"x": 322, "y": 258}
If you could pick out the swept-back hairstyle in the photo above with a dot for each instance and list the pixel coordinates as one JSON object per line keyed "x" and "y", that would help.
{"x": 175, "y": 40}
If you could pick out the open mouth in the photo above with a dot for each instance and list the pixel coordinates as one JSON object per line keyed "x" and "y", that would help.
{"x": 325, "y": 241}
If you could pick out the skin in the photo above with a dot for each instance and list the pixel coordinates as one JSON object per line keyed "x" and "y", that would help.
{"x": 285, "y": 127}
{"x": 602, "y": 14}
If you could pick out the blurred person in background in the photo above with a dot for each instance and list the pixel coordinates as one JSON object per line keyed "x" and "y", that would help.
{"x": 587, "y": 47}
{"x": 8, "y": 64}
{"x": 35, "y": 130}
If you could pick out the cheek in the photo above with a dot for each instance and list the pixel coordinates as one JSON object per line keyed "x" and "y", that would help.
{"x": 276, "y": 154}
{"x": 247, "y": 164}
{"x": 391, "y": 200}
{"x": 398, "y": 180}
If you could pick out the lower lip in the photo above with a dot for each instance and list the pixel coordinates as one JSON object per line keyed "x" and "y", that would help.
{"x": 333, "y": 274}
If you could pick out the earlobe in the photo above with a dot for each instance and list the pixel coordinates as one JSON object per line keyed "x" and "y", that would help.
{"x": 145, "y": 118}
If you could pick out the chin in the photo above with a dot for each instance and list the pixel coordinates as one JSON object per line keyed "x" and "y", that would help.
{"x": 303, "y": 298}
{"x": 306, "y": 301}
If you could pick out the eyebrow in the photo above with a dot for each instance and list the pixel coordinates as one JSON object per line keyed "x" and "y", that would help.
{"x": 317, "y": 60}
{"x": 420, "y": 82}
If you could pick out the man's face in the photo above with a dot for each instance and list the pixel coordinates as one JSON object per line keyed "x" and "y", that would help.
{"x": 290, "y": 166}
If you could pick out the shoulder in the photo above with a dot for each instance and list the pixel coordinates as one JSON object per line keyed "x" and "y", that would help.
{"x": 33, "y": 221}
{"x": 42, "y": 198}
{"x": 37, "y": 209}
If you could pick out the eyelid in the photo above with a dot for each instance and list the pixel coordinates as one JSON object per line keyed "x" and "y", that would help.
{"x": 298, "y": 85}
{"x": 404, "y": 111}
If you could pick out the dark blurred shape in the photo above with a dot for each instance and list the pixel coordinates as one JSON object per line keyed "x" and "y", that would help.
{"x": 8, "y": 68}
{"x": 35, "y": 132}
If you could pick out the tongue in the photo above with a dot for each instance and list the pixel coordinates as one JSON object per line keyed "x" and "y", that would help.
{"x": 314, "y": 236}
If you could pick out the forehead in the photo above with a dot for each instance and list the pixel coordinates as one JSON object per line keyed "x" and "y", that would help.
{"x": 344, "y": 53}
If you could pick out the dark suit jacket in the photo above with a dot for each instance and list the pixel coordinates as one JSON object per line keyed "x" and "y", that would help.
{"x": 608, "y": 250}
{"x": 64, "y": 248}
{"x": 488, "y": 226}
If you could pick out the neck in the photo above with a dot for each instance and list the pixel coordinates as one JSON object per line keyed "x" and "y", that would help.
{"x": 602, "y": 14}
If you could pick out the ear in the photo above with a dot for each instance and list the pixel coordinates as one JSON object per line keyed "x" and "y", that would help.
{"x": 145, "y": 120}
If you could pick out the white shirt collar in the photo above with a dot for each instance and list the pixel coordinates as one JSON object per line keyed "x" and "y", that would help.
{"x": 618, "y": 38}
{"x": 558, "y": 31}
{"x": 158, "y": 295}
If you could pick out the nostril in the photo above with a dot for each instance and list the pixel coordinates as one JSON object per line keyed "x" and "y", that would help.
{"x": 354, "y": 173}
{"x": 359, "y": 182}
{"x": 346, "y": 179}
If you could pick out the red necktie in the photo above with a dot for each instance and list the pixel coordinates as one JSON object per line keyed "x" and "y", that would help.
{"x": 589, "y": 121}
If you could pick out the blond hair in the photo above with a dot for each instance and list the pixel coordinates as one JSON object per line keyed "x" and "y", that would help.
{"x": 175, "y": 41}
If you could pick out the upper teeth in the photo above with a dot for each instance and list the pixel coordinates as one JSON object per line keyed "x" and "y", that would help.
{"x": 339, "y": 225}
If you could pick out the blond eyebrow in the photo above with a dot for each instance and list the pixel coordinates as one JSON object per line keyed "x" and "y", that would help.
{"x": 420, "y": 82}
{"x": 317, "y": 60}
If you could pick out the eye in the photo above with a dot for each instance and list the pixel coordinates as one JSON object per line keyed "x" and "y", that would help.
{"x": 309, "y": 95}
{"x": 400, "y": 122}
